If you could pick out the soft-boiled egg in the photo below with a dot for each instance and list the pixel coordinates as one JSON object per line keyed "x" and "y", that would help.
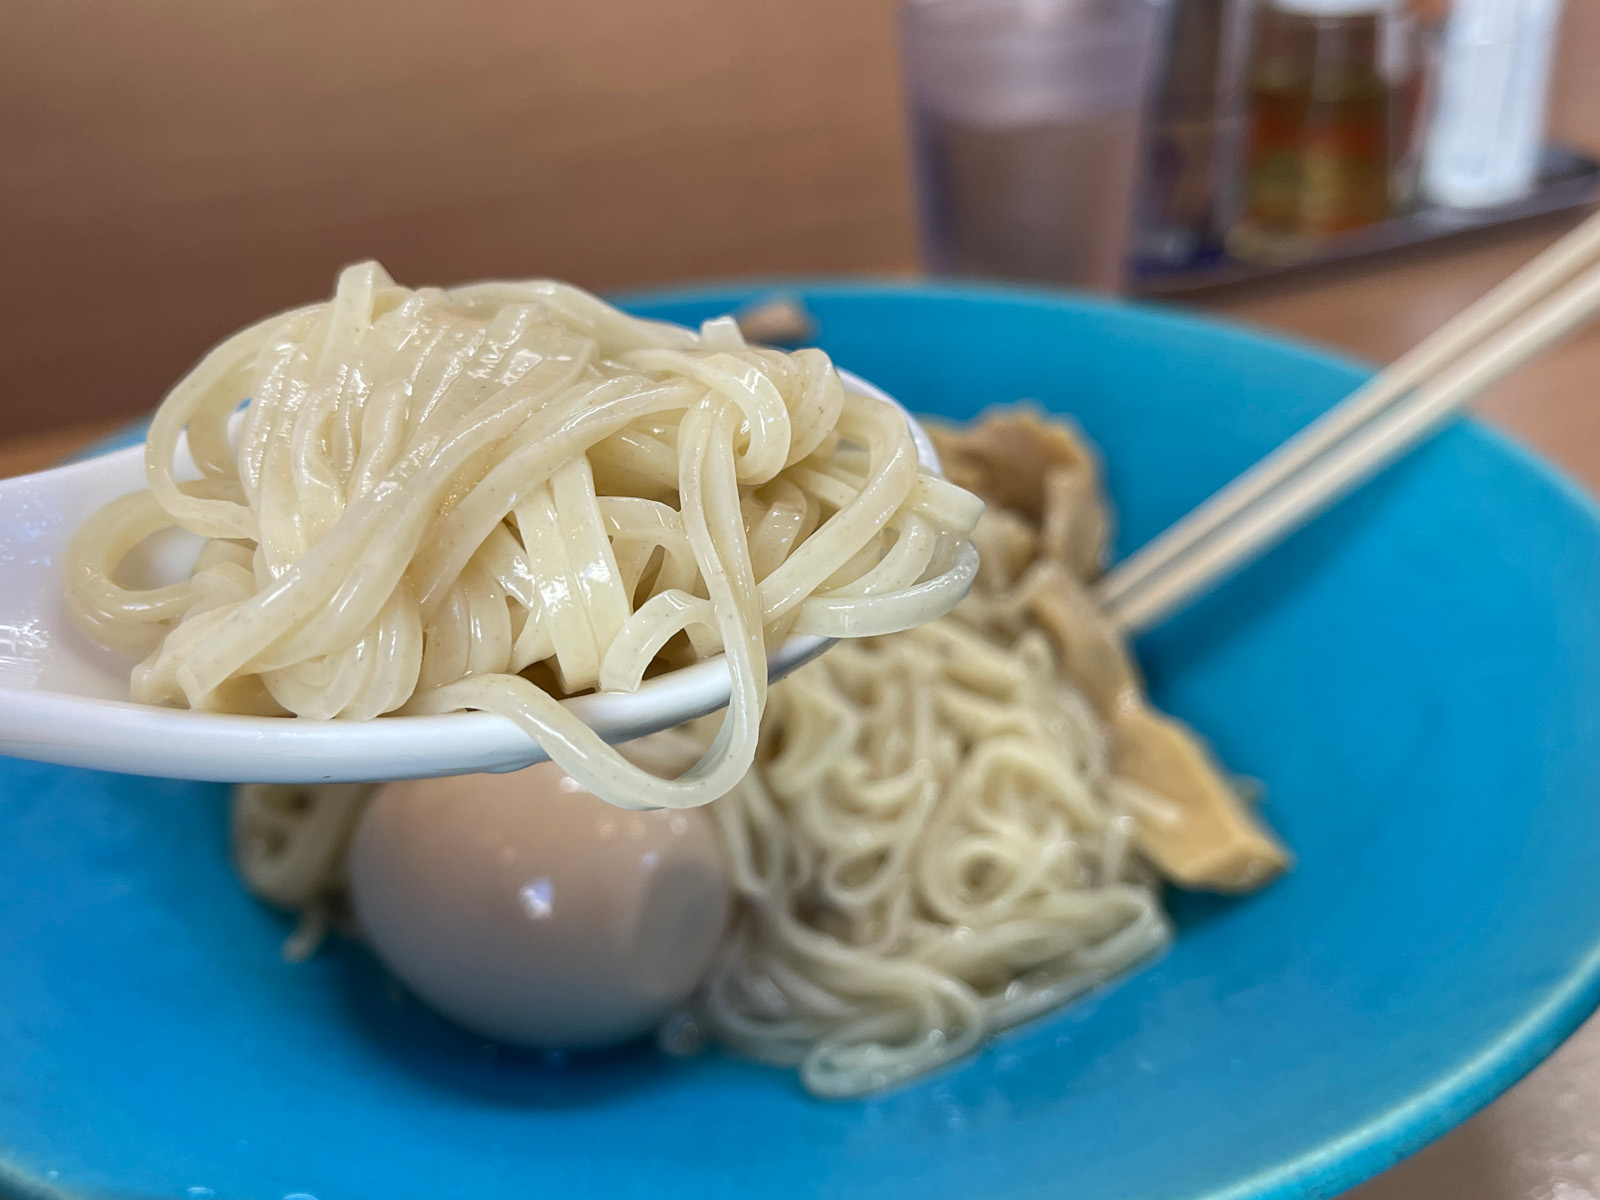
{"x": 528, "y": 910}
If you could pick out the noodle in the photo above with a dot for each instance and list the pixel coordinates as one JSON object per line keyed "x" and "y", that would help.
{"x": 927, "y": 854}
{"x": 489, "y": 497}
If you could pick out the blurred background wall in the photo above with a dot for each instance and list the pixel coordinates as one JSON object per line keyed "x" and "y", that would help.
{"x": 170, "y": 169}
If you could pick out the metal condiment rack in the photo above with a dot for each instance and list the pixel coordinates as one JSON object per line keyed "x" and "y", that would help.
{"x": 1567, "y": 179}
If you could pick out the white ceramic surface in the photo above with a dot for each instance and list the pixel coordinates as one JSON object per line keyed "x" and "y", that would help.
{"x": 64, "y": 700}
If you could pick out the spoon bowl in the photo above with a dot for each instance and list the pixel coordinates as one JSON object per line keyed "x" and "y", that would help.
{"x": 65, "y": 700}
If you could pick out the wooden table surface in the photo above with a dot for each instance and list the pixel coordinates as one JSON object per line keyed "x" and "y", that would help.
{"x": 1541, "y": 1141}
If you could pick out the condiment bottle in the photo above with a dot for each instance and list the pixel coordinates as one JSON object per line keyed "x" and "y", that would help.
{"x": 1418, "y": 36}
{"x": 1192, "y": 129}
{"x": 1319, "y": 125}
{"x": 1488, "y": 127}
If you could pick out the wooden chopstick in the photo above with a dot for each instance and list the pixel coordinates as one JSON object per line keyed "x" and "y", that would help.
{"x": 1320, "y": 479}
{"x": 1502, "y": 304}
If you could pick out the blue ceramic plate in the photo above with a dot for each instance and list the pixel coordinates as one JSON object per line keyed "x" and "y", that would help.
{"x": 1416, "y": 678}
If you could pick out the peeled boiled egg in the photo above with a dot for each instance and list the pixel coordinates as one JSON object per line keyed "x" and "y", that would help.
{"x": 530, "y": 911}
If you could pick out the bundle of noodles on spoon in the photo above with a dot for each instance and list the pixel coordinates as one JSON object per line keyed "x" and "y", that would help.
{"x": 502, "y": 494}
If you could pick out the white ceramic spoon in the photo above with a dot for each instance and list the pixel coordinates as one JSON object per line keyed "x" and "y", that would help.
{"x": 64, "y": 700}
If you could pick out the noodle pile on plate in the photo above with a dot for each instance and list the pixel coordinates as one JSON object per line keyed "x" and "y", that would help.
{"x": 928, "y": 851}
{"x": 953, "y": 829}
{"x": 497, "y": 495}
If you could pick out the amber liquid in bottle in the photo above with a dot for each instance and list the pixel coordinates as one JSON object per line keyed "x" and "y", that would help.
{"x": 1318, "y": 132}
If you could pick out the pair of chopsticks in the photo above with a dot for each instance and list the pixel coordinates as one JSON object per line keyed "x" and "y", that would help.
{"x": 1400, "y": 407}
